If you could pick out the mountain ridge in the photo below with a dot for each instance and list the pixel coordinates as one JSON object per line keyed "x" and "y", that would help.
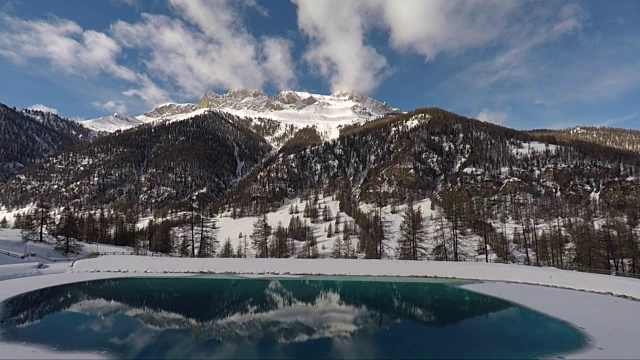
{"x": 296, "y": 108}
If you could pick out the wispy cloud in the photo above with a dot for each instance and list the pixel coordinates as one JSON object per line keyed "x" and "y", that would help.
{"x": 204, "y": 46}
{"x": 513, "y": 61}
{"x": 496, "y": 117}
{"x": 111, "y": 106}
{"x": 619, "y": 120}
{"x": 339, "y": 48}
{"x": 62, "y": 43}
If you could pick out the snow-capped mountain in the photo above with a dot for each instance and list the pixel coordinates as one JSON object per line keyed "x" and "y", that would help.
{"x": 168, "y": 109}
{"x": 340, "y": 104}
{"x": 292, "y": 109}
{"x": 112, "y": 123}
{"x": 328, "y": 113}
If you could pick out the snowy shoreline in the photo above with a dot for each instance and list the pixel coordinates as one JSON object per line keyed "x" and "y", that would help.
{"x": 603, "y": 318}
{"x": 605, "y": 284}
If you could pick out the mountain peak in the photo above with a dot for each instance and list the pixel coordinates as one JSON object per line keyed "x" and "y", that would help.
{"x": 244, "y": 93}
{"x": 111, "y": 123}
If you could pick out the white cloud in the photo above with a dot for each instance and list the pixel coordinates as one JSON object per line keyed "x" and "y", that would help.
{"x": 206, "y": 46}
{"x": 62, "y": 43}
{"x": 570, "y": 18}
{"x": 339, "y": 47}
{"x": 496, "y": 117}
{"x": 44, "y": 108}
{"x": 148, "y": 91}
{"x": 67, "y": 47}
{"x": 278, "y": 63}
{"x": 111, "y": 106}
{"x": 431, "y": 27}
{"x": 341, "y": 50}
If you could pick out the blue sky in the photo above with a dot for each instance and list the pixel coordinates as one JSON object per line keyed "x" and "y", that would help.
{"x": 524, "y": 64}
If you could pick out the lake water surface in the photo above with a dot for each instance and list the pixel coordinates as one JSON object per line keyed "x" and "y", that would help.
{"x": 281, "y": 318}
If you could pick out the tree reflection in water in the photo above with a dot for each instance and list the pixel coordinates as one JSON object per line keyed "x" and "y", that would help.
{"x": 260, "y": 318}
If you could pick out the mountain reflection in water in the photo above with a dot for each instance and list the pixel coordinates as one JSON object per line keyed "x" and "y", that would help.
{"x": 261, "y": 318}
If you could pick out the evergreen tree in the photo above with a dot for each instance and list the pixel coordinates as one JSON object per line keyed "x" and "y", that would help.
{"x": 29, "y": 229}
{"x": 4, "y": 223}
{"x": 185, "y": 244}
{"x": 91, "y": 233}
{"x": 326, "y": 213}
{"x": 163, "y": 238}
{"x": 307, "y": 210}
{"x": 440, "y": 240}
{"x": 208, "y": 242}
{"x": 330, "y": 231}
{"x": 348, "y": 250}
{"x": 337, "y": 222}
{"x": 313, "y": 214}
{"x": 227, "y": 249}
{"x": 337, "y": 248}
{"x": 103, "y": 228}
{"x": 66, "y": 232}
{"x": 280, "y": 246}
{"x": 260, "y": 236}
{"x": 412, "y": 234}
{"x": 240, "y": 251}
{"x": 17, "y": 221}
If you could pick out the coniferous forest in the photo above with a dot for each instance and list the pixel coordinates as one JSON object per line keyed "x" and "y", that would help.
{"x": 424, "y": 185}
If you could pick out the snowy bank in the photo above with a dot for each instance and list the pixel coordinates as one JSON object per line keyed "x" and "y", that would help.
{"x": 19, "y": 270}
{"x": 608, "y": 321}
{"x": 606, "y": 284}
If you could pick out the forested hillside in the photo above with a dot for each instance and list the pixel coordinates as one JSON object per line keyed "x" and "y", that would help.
{"x": 29, "y": 136}
{"x": 428, "y": 184}
{"x": 624, "y": 139}
{"x": 521, "y": 197}
{"x": 152, "y": 166}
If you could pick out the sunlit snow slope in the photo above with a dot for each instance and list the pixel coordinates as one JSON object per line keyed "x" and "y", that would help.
{"x": 292, "y": 108}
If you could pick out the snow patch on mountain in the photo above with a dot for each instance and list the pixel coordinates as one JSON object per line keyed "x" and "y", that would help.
{"x": 112, "y": 123}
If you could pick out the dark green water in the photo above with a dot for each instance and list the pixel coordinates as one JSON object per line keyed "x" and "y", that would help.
{"x": 261, "y": 318}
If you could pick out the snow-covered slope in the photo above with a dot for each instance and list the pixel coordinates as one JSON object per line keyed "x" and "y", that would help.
{"x": 291, "y": 108}
{"x": 112, "y": 123}
{"x": 327, "y": 112}
{"x": 168, "y": 109}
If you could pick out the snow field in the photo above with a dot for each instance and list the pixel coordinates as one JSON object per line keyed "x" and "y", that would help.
{"x": 12, "y": 248}
{"x": 231, "y": 228}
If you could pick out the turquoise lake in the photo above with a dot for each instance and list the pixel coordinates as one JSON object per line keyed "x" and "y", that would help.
{"x": 281, "y": 318}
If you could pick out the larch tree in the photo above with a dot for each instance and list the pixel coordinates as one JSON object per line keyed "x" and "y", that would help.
{"x": 35, "y": 224}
